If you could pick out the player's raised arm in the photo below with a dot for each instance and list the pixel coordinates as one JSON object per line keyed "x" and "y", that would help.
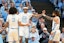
{"x": 48, "y": 17}
{"x": 36, "y": 14}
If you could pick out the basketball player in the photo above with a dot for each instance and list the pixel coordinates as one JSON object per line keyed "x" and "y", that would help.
{"x": 24, "y": 30}
{"x": 55, "y": 34}
{"x": 25, "y": 18}
{"x": 12, "y": 23}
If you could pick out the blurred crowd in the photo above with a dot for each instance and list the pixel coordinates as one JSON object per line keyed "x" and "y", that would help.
{"x": 41, "y": 33}
{"x": 59, "y": 5}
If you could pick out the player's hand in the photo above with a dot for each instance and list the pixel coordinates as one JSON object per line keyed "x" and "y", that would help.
{"x": 52, "y": 33}
{"x": 43, "y": 12}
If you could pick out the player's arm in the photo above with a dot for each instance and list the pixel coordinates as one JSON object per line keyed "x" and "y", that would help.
{"x": 6, "y": 25}
{"x": 36, "y": 15}
{"x": 20, "y": 24}
{"x": 48, "y": 17}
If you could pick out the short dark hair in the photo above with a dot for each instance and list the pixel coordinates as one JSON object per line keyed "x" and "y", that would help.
{"x": 56, "y": 13}
{"x": 12, "y": 10}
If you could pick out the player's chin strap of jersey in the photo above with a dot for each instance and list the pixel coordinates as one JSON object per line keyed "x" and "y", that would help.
{"x": 56, "y": 28}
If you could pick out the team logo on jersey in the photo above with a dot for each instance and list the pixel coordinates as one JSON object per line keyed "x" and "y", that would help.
{"x": 24, "y": 19}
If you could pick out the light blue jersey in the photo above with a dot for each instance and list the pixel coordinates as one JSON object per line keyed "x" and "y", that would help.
{"x": 1, "y": 40}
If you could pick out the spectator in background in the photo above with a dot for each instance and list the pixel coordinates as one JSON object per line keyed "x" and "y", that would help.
{"x": 18, "y": 2}
{"x": 62, "y": 8}
{"x": 55, "y": 2}
{"x": 40, "y": 21}
{"x": 34, "y": 19}
{"x": 9, "y": 3}
{"x": 62, "y": 35}
{"x": 4, "y": 11}
{"x": 28, "y": 4}
{"x": 34, "y": 36}
{"x": 24, "y": 2}
{"x": 31, "y": 24}
{"x": 44, "y": 36}
{"x": 0, "y": 3}
{"x": 4, "y": 1}
{"x": 12, "y": 5}
{"x": 5, "y": 6}
{"x": 60, "y": 4}
{"x": 20, "y": 8}
{"x": 42, "y": 26}
{"x": 5, "y": 14}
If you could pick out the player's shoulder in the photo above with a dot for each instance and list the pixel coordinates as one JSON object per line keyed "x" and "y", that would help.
{"x": 57, "y": 17}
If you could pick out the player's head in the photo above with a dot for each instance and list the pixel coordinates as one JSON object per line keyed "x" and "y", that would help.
{"x": 25, "y": 9}
{"x": 12, "y": 10}
{"x": 55, "y": 13}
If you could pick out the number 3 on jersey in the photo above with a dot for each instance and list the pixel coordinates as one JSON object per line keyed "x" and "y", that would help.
{"x": 13, "y": 19}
